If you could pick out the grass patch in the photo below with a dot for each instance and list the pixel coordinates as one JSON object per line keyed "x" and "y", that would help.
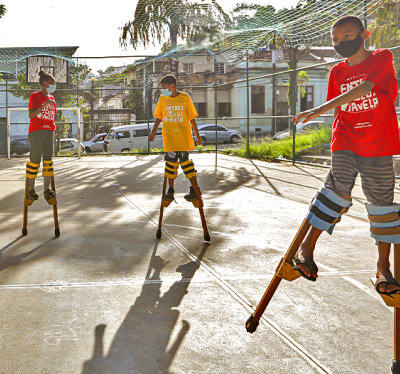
{"x": 268, "y": 149}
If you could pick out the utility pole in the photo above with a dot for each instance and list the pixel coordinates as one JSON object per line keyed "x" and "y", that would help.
{"x": 92, "y": 111}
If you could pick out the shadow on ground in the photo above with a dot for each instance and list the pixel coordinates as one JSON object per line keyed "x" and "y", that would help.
{"x": 142, "y": 343}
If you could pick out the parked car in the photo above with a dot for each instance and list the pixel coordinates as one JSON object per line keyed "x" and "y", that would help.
{"x": 301, "y": 128}
{"x": 207, "y": 133}
{"x": 19, "y": 146}
{"x": 129, "y": 137}
{"x": 95, "y": 144}
{"x": 69, "y": 146}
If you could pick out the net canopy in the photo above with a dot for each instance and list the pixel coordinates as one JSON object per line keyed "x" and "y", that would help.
{"x": 13, "y": 60}
{"x": 249, "y": 27}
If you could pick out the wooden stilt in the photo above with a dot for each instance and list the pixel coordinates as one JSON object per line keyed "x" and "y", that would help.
{"x": 283, "y": 271}
{"x": 53, "y": 202}
{"x": 158, "y": 235}
{"x": 396, "y": 360}
{"x": 27, "y": 202}
{"x": 200, "y": 205}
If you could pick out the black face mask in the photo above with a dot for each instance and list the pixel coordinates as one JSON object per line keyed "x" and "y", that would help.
{"x": 350, "y": 47}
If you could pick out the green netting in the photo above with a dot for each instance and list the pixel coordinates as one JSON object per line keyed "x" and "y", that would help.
{"x": 208, "y": 29}
{"x": 13, "y": 60}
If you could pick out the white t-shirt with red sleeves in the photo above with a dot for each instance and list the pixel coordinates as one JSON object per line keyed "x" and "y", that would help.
{"x": 45, "y": 119}
{"x": 367, "y": 126}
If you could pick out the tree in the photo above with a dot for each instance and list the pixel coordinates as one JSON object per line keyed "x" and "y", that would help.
{"x": 134, "y": 100}
{"x": 2, "y": 10}
{"x": 154, "y": 18}
{"x": 64, "y": 98}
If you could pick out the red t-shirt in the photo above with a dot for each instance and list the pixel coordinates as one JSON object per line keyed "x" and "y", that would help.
{"x": 367, "y": 126}
{"x": 45, "y": 119}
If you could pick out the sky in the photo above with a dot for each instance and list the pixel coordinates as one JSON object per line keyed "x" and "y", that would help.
{"x": 91, "y": 25}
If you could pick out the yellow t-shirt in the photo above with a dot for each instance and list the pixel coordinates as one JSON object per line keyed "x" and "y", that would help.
{"x": 176, "y": 112}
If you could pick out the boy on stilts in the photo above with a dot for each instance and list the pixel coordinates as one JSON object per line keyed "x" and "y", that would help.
{"x": 42, "y": 110}
{"x": 365, "y": 136}
{"x": 177, "y": 112}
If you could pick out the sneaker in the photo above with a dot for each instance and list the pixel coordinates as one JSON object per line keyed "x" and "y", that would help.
{"x": 191, "y": 196}
{"x": 170, "y": 194}
{"x": 33, "y": 195}
{"x": 49, "y": 194}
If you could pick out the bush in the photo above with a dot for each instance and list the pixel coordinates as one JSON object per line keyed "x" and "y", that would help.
{"x": 268, "y": 149}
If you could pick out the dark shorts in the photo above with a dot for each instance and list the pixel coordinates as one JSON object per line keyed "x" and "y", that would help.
{"x": 41, "y": 144}
{"x": 179, "y": 156}
{"x": 377, "y": 176}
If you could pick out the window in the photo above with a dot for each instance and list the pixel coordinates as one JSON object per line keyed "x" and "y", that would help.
{"x": 220, "y": 67}
{"x": 123, "y": 134}
{"x": 201, "y": 109}
{"x": 111, "y": 134}
{"x": 307, "y": 102}
{"x": 224, "y": 109}
{"x": 19, "y": 143}
{"x": 188, "y": 68}
{"x": 67, "y": 144}
{"x": 257, "y": 99}
{"x": 139, "y": 133}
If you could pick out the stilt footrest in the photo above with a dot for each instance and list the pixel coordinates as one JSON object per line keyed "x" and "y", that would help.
{"x": 196, "y": 203}
{"x": 285, "y": 271}
{"x": 52, "y": 201}
{"x": 390, "y": 300}
{"x": 166, "y": 203}
{"x": 28, "y": 202}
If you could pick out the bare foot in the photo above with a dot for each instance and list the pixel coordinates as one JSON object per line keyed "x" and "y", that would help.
{"x": 306, "y": 251}
{"x": 387, "y": 287}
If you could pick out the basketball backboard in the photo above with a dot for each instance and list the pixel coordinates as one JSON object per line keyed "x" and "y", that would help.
{"x": 58, "y": 67}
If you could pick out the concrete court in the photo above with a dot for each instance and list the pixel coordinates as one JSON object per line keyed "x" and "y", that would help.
{"x": 107, "y": 297}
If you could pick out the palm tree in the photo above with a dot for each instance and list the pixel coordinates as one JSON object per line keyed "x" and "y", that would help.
{"x": 154, "y": 18}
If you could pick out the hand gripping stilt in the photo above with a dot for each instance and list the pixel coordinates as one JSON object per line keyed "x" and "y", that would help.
{"x": 283, "y": 271}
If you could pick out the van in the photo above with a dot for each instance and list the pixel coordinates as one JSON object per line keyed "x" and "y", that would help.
{"x": 126, "y": 138}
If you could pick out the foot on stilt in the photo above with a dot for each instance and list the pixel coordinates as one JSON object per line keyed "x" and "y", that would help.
{"x": 49, "y": 194}
{"x": 169, "y": 196}
{"x": 305, "y": 261}
{"x": 33, "y": 195}
{"x": 386, "y": 284}
{"x": 191, "y": 196}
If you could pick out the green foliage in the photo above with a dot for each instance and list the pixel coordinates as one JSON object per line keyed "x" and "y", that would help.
{"x": 113, "y": 79}
{"x": 134, "y": 100}
{"x": 268, "y": 149}
{"x": 180, "y": 18}
{"x": 302, "y": 77}
{"x": 2, "y": 10}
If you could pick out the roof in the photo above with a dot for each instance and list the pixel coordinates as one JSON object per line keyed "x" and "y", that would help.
{"x": 13, "y": 59}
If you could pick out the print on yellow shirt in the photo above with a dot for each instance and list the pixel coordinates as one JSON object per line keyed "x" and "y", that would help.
{"x": 176, "y": 114}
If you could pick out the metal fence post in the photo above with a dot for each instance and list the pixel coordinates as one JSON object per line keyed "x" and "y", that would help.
{"x": 248, "y": 105}
{"x": 294, "y": 99}
{"x": 216, "y": 111}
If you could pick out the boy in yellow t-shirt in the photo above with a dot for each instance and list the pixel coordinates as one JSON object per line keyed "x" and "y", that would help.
{"x": 177, "y": 112}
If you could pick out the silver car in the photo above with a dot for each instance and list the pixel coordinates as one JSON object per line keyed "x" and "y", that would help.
{"x": 207, "y": 133}
{"x": 95, "y": 144}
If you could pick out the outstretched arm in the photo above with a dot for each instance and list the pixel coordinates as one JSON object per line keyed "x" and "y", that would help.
{"x": 355, "y": 93}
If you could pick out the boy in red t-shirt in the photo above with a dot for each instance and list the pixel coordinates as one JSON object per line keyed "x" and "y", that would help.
{"x": 42, "y": 109}
{"x": 365, "y": 136}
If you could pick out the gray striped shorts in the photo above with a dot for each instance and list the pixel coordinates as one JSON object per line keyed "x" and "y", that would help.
{"x": 377, "y": 176}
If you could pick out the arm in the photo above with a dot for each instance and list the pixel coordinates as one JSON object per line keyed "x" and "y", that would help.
{"x": 155, "y": 128}
{"x": 196, "y": 131}
{"x": 361, "y": 90}
{"x": 34, "y": 112}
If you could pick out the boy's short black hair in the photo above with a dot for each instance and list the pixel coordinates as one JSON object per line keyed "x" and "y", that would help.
{"x": 349, "y": 19}
{"x": 168, "y": 79}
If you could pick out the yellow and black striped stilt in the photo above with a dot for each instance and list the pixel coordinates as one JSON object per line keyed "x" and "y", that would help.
{"x": 171, "y": 171}
{"x": 31, "y": 173}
